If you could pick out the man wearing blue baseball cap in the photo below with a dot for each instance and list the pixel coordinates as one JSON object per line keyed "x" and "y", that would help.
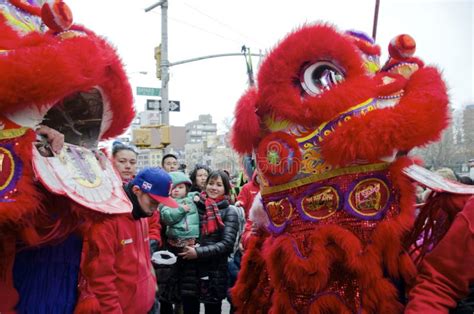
{"x": 118, "y": 272}
{"x": 150, "y": 187}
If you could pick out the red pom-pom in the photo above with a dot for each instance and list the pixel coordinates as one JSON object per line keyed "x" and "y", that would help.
{"x": 246, "y": 129}
{"x": 402, "y": 47}
{"x": 56, "y": 15}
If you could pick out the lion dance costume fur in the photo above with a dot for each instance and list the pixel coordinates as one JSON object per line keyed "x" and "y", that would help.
{"x": 64, "y": 76}
{"x": 330, "y": 129}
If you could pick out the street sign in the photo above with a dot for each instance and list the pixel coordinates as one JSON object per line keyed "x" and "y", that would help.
{"x": 148, "y": 91}
{"x": 174, "y": 105}
{"x": 155, "y": 104}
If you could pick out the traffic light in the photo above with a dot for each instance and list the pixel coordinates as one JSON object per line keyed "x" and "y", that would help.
{"x": 158, "y": 61}
{"x": 141, "y": 137}
{"x": 152, "y": 136}
{"x": 165, "y": 135}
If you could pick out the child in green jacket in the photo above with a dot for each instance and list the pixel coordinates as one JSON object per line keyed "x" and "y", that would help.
{"x": 182, "y": 224}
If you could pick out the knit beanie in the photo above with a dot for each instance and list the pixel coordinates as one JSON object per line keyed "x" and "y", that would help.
{"x": 178, "y": 177}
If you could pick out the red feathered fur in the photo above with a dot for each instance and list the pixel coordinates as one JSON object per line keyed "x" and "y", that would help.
{"x": 13, "y": 212}
{"x": 279, "y": 93}
{"x": 333, "y": 244}
{"x": 299, "y": 263}
{"x": 9, "y": 37}
{"x": 417, "y": 119}
{"x": 246, "y": 129}
{"x": 254, "y": 274}
{"x": 329, "y": 246}
{"x": 43, "y": 69}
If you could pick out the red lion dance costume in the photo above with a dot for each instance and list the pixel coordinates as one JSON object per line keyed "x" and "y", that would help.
{"x": 66, "y": 77}
{"x": 330, "y": 129}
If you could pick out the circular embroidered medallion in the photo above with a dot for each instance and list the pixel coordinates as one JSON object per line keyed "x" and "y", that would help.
{"x": 10, "y": 169}
{"x": 278, "y": 157}
{"x": 279, "y": 213}
{"x": 322, "y": 203}
{"x": 369, "y": 198}
{"x": 83, "y": 165}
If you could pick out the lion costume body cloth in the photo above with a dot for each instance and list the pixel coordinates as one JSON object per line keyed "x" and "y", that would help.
{"x": 63, "y": 76}
{"x": 330, "y": 129}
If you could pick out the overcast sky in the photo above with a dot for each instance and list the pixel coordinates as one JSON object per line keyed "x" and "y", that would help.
{"x": 443, "y": 30}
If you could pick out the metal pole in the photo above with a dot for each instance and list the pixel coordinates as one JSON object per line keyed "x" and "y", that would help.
{"x": 171, "y": 64}
{"x": 248, "y": 62}
{"x": 376, "y": 19}
{"x": 165, "y": 119}
{"x": 151, "y": 7}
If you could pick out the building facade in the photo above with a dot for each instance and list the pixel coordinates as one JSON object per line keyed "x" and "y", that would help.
{"x": 213, "y": 151}
{"x": 151, "y": 138}
{"x": 199, "y": 130}
{"x": 468, "y": 129}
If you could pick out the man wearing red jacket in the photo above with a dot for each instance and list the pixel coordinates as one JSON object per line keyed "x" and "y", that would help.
{"x": 248, "y": 193}
{"x": 446, "y": 272}
{"x": 116, "y": 264}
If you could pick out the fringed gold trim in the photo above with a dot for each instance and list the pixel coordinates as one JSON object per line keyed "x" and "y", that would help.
{"x": 12, "y": 133}
{"x": 323, "y": 176}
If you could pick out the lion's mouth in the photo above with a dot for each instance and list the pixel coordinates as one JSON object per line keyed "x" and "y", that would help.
{"x": 78, "y": 117}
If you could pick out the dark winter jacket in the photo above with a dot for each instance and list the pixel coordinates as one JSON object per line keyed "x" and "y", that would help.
{"x": 206, "y": 276}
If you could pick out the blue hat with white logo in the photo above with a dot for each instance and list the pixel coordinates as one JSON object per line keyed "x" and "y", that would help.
{"x": 157, "y": 183}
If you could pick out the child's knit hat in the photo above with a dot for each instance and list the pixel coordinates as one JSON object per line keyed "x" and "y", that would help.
{"x": 178, "y": 177}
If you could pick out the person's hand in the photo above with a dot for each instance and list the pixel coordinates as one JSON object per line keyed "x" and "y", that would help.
{"x": 154, "y": 245}
{"x": 196, "y": 198}
{"x": 188, "y": 253}
{"x": 186, "y": 208}
{"x": 238, "y": 204}
{"x": 53, "y": 137}
{"x": 256, "y": 230}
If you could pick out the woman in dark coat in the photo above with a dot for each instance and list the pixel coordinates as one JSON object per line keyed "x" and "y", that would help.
{"x": 204, "y": 267}
{"x": 199, "y": 177}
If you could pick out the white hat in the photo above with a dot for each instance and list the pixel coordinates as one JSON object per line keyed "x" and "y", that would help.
{"x": 163, "y": 258}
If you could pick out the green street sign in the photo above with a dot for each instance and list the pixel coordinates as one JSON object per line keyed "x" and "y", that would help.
{"x": 148, "y": 91}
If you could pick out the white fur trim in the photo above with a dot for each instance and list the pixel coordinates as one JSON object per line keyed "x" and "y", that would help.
{"x": 107, "y": 113}
{"x": 257, "y": 214}
{"x": 30, "y": 116}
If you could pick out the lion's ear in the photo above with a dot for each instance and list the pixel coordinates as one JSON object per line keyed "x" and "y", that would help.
{"x": 246, "y": 129}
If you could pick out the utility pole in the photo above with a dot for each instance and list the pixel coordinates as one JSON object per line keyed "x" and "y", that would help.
{"x": 248, "y": 62}
{"x": 376, "y": 19}
{"x": 164, "y": 63}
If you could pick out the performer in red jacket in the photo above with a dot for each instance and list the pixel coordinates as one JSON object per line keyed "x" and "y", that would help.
{"x": 117, "y": 266}
{"x": 248, "y": 193}
{"x": 446, "y": 272}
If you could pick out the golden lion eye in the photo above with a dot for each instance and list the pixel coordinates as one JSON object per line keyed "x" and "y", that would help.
{"x": 320, "y": 76}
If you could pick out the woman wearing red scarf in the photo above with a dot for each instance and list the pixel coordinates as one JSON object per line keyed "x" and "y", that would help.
{"x": 204, "y": 273}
